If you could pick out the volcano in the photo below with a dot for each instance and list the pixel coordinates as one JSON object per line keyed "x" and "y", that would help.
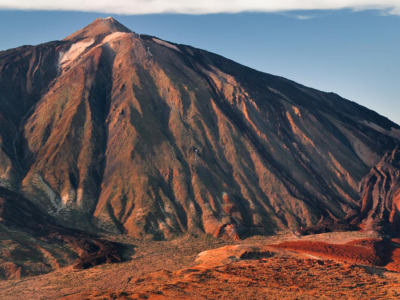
{"x": 113, "y": 131}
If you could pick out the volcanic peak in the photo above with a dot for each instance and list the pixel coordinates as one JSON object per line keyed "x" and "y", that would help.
{"x": 99, "y": 27}
{"x": 112, "y": 141}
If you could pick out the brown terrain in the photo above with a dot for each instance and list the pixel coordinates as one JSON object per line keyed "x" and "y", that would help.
{"x": 255, "y": 268}
{"x": 136, "y": 154}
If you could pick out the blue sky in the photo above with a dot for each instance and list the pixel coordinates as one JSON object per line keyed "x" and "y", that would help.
{"x": 355, "y": 54}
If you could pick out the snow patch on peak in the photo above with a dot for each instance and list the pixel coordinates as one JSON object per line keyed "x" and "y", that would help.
{"x": 74, "y": 51}
{"x": 113, "y": 36}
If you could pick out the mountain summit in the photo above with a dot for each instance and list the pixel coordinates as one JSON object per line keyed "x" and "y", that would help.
{"x": 114, "y": 132}
{"x": 97, "y": 28}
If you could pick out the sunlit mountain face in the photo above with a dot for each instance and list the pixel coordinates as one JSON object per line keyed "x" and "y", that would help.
{"x": 110, "y": 131}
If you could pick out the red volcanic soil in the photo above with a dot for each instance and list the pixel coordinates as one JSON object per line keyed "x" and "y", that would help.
{"x": 171, "y": 270}
{"x": 394, "y": 264}
{"x": 371, "y": 252}
{"x": 277, "y": 277}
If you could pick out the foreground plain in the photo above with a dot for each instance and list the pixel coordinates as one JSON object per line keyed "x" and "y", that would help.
{"x": 207, "y": 268}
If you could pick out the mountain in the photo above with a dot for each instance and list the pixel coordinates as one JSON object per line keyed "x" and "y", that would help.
{"x": 112, "y": 131}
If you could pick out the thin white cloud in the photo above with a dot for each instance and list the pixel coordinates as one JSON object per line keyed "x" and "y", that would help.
{"x": 303, "y": 17}
{"x": 136, "y": 7}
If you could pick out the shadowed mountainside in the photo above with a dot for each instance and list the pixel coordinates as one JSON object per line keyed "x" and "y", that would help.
{"x": 31, "y": 244}
{"x": 110, "y": 130}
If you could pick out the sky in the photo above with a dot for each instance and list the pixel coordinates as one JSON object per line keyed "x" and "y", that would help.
{"x": 352, "y": 50}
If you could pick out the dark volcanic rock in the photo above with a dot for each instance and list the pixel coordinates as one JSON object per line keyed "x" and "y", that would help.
{"x": 329, "y": 225}
{"x": 54, "y": 246}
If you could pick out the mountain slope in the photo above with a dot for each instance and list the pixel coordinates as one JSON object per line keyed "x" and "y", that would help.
{"x": 31, "y": 244}
{"x": 132, "y": 134}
